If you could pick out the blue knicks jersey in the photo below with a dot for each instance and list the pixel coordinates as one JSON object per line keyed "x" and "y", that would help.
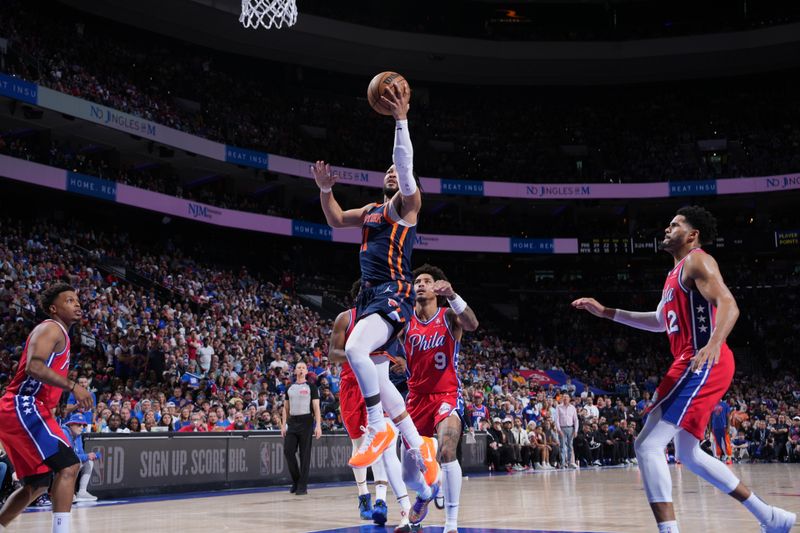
{"x": 386, "y": 245}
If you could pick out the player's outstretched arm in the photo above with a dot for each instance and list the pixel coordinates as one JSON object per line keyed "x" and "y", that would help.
{"x": 410, "y": 198}
{"x": 652, "y": 321}
{"x": 47, "y": 339}
{"x": 703, "y": 270}
{"x": 461, "y": 317}
{"x": 336, "y": 352}
{"x": 334, "y": 215}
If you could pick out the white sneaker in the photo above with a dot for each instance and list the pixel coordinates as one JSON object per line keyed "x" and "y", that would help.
{"x": 84, "y": 496}
{"x": 403, "y": 520}
{"x": 781, "y": 522}
{"x": 539, "y": 466}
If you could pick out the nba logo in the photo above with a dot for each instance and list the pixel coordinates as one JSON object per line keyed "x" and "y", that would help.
{"x": 264, "y": 462}
{"x": 99, "y": 467}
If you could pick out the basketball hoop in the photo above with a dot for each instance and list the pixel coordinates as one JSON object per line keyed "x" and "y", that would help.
{"x": 268, "y": 13}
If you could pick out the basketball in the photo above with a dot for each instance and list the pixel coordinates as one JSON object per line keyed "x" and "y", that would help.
{"x": 378, "y": 86}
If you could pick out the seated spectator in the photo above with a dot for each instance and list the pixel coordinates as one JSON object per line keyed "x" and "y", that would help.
{"x": 166, "y": 422}
{"x": 551, "y": 439}
{"x": 115, "y": 425}
{"x": 521, "y": 445}
{"x": 265, "y": 421}
{"x": 541, "y": 450}
{"x": 741, "y": 446}
{"x": 134, "y": 426}
{"x": 329, "y": 423}
{"x": 499, "y": 454}
{"x": 239, "y": 423}
{"x": 73, "y": 429}
{"x": 195, "y": 424}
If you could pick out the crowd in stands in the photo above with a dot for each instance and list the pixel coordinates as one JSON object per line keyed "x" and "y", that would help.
{"x": 209, "y": 349}
{"x": 535, "y": 135}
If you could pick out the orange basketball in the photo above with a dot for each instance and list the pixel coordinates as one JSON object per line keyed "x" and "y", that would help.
{"x": 379, "y": 85}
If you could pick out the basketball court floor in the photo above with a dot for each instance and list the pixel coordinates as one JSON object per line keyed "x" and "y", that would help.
{"x": 592, "y": 501}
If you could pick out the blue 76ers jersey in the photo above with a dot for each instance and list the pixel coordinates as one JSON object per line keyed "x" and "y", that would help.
{"x": 386, "y": 246}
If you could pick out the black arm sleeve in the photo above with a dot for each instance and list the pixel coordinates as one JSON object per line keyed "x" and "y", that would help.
{"x": 314, "y": 392}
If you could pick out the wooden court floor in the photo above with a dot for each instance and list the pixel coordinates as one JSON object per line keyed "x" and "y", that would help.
{"x": 609, "y": 500}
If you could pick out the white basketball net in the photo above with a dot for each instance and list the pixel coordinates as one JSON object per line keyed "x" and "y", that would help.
{"x": 268, "y": 13}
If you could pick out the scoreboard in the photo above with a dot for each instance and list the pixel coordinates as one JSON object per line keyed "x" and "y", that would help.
{"x": 787, "y": 239}
{"x": 617, "y": 245}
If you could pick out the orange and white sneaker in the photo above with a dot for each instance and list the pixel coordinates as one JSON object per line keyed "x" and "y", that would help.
{"x": 375, "y": 443}
{"x": 432, "y": 470}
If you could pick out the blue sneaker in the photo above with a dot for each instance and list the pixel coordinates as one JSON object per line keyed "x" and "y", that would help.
{"x": 380, "y": 512}
{"x": 365, "y": 506}
{"x": 419, "y": 510}
{"x": 42, "y": 501}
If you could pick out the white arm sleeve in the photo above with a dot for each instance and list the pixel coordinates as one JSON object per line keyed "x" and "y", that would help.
{"x": 403, "y": 157}
{"x": 653, "y": 321}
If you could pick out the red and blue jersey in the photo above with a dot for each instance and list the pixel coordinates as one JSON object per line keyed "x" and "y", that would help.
{"x": 477, "y": 414}
{"x": 347, "y": 370}
{"x": 687, "y": 398}
{"x": 386, "y": 245}
{"x": 25, "y": 385}
{"x": 689, "y": 317}
{"x": 432, "y": 355}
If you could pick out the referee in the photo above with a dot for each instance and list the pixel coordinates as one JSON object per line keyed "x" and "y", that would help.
{"x": 298, "y": 426}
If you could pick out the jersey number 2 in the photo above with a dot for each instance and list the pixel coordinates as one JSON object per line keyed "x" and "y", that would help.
{"x": 440, "y": 361}
{"x": 673, "y": 322}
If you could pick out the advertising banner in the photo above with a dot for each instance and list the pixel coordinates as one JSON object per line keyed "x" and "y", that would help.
{"x": 25, "y": 91}
{"x": 18, "y": 89}
{"x": 132, "y": 464}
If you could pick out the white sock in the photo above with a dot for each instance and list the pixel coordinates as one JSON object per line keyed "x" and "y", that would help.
{"x": 410, "y": 433}
{"x": 452, "y": 493}
{"x": 61, "y": 522}
{"x": 405, "y": 503}
{"x": 360, "y": 473}
{"x": 668, "y": 527}
{"x": 760, "y": 510}
{"x": 394, "y": 472}
{"x": 83, "y": 482}
{"x": 375, "y": 417}
{"x": 380, "y": 490}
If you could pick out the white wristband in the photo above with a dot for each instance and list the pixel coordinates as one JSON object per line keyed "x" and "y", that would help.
{"x": 458, "y": 304}
{"x": 325, "y": 189}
